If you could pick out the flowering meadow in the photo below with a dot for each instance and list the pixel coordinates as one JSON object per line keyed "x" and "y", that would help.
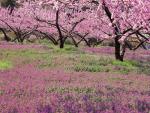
{"x": 45, "y": 79}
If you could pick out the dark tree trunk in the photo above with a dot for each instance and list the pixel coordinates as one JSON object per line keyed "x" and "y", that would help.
{"x": 118, "y": 54}
{"x": 5, "y": 35}
{"x": 19, "y": 38}
{"x": 61, "y": 42}
{"x": 74, "y": 42}
{"x": 59, "y": 30}
{"x": 83, "y": 39}
{"x": 119, "y": 49}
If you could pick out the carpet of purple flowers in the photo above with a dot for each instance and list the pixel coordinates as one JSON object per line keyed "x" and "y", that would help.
{"x": 29, "y": 86}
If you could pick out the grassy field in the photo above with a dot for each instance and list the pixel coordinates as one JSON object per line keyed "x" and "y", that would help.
{"x": 46, "y": 79}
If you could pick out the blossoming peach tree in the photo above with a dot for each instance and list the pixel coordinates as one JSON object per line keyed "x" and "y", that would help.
{"x": 123, "y": 18}
{"x": 68, "y": 19}
{"x": 21, "y": 22}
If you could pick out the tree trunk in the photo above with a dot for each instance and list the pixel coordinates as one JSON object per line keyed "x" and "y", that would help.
{"x": 5, "y": 35}
{"x": 119, "y": 54}
{"x": 59, "y": 30}
{"x": 74, "y": 42}
{"x": 61, "y": 42}
{"x": 19, "y": 38}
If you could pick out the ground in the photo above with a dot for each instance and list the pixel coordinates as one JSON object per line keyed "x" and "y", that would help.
{"x": 46, "y": 79}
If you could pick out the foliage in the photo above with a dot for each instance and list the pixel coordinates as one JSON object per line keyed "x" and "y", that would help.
{"x": 5, "y": 65}
{"x": 91, "y": 68}
{"x": 129, "y": 64}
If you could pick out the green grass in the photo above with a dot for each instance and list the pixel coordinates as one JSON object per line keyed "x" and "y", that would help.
{"x": 90, "y": 63}
{"x": 88, "y": 68}
{"x": 79, "y": 90}
{"x": 4, "y": 65}
{"x": 30, "y": 53}
{"x": 124, "y": 67}
{"x": 70, "y": 58}
{"x": 66, "y": 50}
{"x": 94, "y": 63}
{"x": 125, "y": 63}
{"x": 143, "y": 67}
{"x": 23, "y": 56}
{"x": 46, "y": 63}
{"x": 117, "y": 79}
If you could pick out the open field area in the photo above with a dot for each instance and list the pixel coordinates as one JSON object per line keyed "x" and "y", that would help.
{"x": 46, "y": 79}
